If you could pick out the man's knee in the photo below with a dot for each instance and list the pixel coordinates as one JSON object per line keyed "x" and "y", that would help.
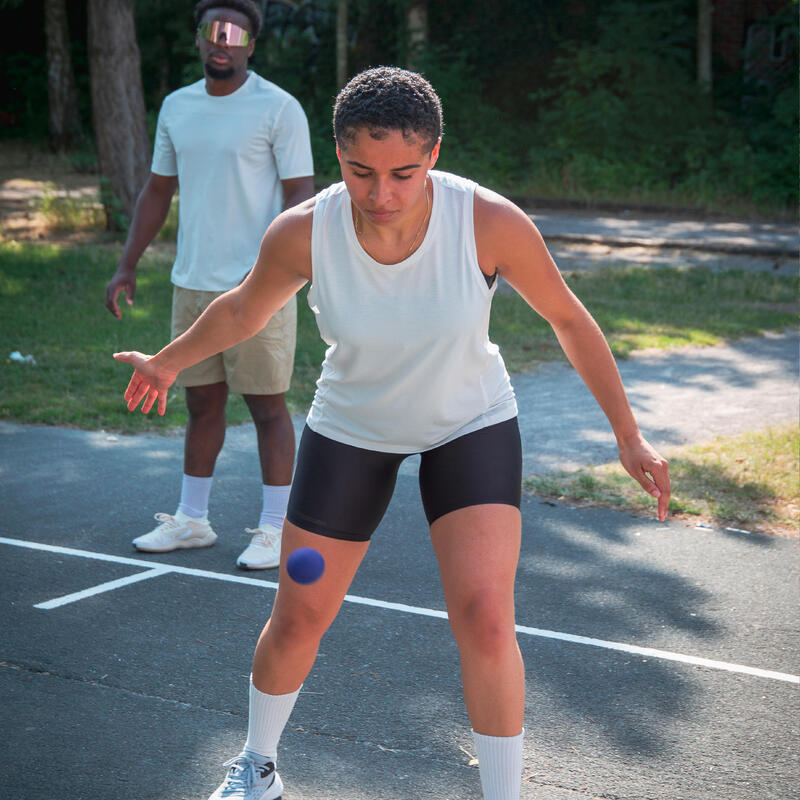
{"x": 267, "y": 409}
{"x": 207, "y": 401}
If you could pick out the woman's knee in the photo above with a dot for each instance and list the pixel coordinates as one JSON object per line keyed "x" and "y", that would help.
{"x": 484, "y": 624}
{"x": 298, "y": 626}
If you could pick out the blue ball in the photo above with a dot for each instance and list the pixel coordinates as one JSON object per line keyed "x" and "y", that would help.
{"x": 305, "y": 565}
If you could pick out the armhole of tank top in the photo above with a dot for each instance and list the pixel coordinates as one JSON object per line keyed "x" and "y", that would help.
{"x": 487, "y": 281}
{"x": 317, "y": 219}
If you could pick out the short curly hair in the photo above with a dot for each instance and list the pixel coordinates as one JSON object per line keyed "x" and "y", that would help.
{"x": 383, "y": 99}
{"x": 246, "y": 7}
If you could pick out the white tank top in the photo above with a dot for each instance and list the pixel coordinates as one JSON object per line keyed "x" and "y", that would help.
{"x": 409, "y": 364}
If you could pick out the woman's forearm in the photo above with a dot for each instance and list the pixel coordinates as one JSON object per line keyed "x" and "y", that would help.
{"x": 220, "y": 326}
{"x": 587, "y": 350}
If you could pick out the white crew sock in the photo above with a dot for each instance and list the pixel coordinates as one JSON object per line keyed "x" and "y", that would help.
{"x": 500, "y": 764}
{"x": 273, "y": 508}
{"x": 194, "y": 496}
{"x": 269, "y": 714}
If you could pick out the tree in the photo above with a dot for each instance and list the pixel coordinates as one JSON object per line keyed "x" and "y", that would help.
{"x": 341, "y": 43}
{"x": 704, "y": 75}
{"x": 118, "y": 112}
{"x": 65, "y": 123}
{"x": 417, "y": 29}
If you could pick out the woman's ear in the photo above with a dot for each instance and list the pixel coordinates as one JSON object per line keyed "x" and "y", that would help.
{"x": 435, "y": 153}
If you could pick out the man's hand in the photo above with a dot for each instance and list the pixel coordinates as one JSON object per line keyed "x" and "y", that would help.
{"x": 123, "y": 281}
{"x": 149, "y": 382}
{"x": 649, "y": 469}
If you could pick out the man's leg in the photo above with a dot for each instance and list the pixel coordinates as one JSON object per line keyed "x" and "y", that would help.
{"x": 275, "y": 436}
{"x": 205, "y": 433}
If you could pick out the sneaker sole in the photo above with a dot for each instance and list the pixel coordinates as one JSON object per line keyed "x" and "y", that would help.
{"x": 254, "y": 567}
{"x": 183, "y": 544}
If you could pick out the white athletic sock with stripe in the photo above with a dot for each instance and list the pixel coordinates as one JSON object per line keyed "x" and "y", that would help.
{"x": 194, "y": 496}
{"x": 269, "y": 714}
{"x": 500, "y": 764}
{"x": 273, "y": 506}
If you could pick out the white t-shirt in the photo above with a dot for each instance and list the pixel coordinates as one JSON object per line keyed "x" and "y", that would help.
{"x": 230, "y": 154}
{"x": 409, "y": 364}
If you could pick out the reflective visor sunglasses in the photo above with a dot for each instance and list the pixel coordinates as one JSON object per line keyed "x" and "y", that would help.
{"x": 224, "y": 33}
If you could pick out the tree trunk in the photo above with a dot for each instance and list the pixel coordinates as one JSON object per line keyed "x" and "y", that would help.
{"x": 341, "y": 43}
{"x": 118, "y": 113}
{"x": 704, "y": 75}
{"x": 65, "y": 123}
{"x": 417, "y": 28}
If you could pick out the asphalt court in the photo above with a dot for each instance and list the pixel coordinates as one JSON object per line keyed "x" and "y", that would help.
{"x": 140, "y": 691}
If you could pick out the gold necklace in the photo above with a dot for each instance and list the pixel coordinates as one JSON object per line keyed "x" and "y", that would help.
{"x": 416, "y": 235}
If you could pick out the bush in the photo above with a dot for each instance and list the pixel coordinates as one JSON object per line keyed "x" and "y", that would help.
{"x": 624, "y": 117}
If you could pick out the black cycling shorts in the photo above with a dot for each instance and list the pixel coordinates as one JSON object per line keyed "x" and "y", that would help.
{"x": 342, "y": 492}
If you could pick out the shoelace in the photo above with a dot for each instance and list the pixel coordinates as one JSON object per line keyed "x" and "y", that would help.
{"x": 167, "y": 519}
{"x": 241, "y": 777}
{"x": 262, "y": 537}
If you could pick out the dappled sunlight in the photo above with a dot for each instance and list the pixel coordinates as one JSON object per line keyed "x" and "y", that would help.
{"x": 570, "y": 568}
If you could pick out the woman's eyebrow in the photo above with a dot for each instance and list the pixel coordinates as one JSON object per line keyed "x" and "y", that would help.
{"x": 394, "y": 169}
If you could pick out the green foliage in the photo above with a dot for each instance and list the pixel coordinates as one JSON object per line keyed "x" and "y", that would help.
{"x": 471, "y": 144}
{"x": 623, "y": 116}
{"x": 588, "y": 99}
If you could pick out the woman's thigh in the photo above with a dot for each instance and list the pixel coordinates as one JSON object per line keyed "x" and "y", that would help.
{"x": 311, "y": 608}
{"x": 482, "y": 467}
{"x": 340, "y": 491}
{"x": 477, "y": 548}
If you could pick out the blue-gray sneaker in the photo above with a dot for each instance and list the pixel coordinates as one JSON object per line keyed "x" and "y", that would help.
{"x": 249, "y": 780}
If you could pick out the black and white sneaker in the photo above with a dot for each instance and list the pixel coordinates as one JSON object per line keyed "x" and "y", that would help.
{"x": 249, "y": 780}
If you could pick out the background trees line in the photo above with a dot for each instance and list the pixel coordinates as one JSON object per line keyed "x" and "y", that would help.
{"x": 577, "y": 98}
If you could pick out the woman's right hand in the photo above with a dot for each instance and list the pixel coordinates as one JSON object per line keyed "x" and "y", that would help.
{"x": 149, "y": 382}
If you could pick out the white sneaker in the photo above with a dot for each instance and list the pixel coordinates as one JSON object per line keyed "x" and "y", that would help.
{"x": 264, "y": 550}
{"x": 249, "y": 780}
{"x": 178, "y": 532}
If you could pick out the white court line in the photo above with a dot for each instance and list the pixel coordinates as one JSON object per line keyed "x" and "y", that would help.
{"x": 406, "y": 609}
{"x": 109, "y": 586}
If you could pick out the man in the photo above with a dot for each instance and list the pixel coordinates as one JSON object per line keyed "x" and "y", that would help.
{"x": 238, "y": 147}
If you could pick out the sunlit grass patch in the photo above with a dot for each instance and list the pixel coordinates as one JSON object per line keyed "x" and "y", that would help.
{"x": 750, "y": 482}
{"x": 643, "y": 307}
{"x": 66, "y": 211}
{"x": 52, "y": 305}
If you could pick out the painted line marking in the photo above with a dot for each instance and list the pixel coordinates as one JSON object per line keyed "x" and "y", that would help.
{"x": 152, "y": 570}
{"x": 109, "y": 586}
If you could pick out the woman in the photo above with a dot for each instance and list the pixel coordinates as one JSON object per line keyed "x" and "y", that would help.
{"x": 403, "y": 262}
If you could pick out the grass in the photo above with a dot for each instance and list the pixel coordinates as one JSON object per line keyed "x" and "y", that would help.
{"x": 66, "y": 211}
{"x": 748, "y": 482}
{"x": 51, "y": 303}
{"x": 642, "y": 307}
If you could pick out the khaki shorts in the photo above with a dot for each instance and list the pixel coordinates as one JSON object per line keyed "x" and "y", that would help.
{"x": 260, "y": 365}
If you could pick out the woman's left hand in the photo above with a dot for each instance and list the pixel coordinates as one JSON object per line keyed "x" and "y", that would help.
{"x": 649, "y": 469}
